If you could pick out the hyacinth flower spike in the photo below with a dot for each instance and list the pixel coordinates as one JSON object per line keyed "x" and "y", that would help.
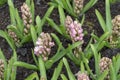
{"x": 27, "y": 17}
{"x": 114, "y": 39}
{"x": 43, "y": 45}
{"x": 42, "y": 50}
{"x": 82, "y": 76}
{"x": 78, "y": 6}
{"x": 1, "y": 69}
{"x": 105, "y": 65}
{"x": 75, "y": 31}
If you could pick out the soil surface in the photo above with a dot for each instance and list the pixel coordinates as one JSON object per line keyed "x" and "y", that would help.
{"x": 90, "y": 24}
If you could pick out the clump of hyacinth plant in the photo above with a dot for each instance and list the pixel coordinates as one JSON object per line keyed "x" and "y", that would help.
{"x": 75, "y": 31}
{"x": 42, "y": 50}
{"x": 74, "y": 7}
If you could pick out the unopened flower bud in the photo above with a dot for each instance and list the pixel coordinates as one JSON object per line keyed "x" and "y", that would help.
{"x": 75, "y": 31}
{"x": 104, "y": 65}
{"x": 1, "y": 69}
{"x": 114, "y": 38}
{"x": 27, "y": 17}
{"x": 78, "y": 6}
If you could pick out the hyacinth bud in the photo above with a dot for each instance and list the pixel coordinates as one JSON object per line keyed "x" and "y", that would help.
{"x": 27, "y": 17}
{"x": 104, "y": 65}
{"x": 43, "y": 45}
{"x": 78, "y": 6}
{"x": 1, "y": 69}
{"x": 114, "y": 38}
{"x": 13, "y": 36}
{"x": 82, "y": 76}
{"x": 75, "y": 31}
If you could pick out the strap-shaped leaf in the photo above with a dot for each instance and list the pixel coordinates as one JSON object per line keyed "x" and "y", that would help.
{"x": 108, "y": 16}
{"x": 88, "y": 5}
{"x": 57, "y": 71}
{"x": 103, "y": 75}
{"x": 8, "y": 39}
{"x": 12, "y": 12}
{"x": 97, "y": 58}
{"x": 16, "y": 30}
{"x": 38, "y": 22}
{"x": 42, "y": 68}
{"x": 62, "y": 15}
{"x": 33, "y": 76}
{"x": 63, "y": 77}
{"x": 69, "y": 72}
{"x": 53, "y": 25}
{"x": 26, "y": 38}
{"x": 32, "y": 10}
{"x": 113, "y": 76}
{"x": 25, "y": 65}
{"x": 33, "y": 34}
{"x": 101, "y": 20}
{"x": 49, "y": 11}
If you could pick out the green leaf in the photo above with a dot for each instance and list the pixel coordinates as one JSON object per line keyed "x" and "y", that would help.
{"x": 10, "y": 71}
{"x": 33, "y": 55}
{"x": 70, "y": 74}
{"x": 32, "y": 10}
{"x": 14, "y": 68}
{"x": 2, "y": 2}
{"x": 25, "y": 65}
{"x": 38, "y": 22}
{"x": 82, "y": 69}
{"x": 49, "y": 11}
{"x": 20, "y": 25}
{"x": 57, "y": 71}
{"x": 65, "y": 4}
{"x": 102, "y": 38}
{"x": 57, "y": 40}
{"x": 112, "y": 73}
{"x": 53, "y": 25}
{"x": 3, "y": 58}
{"x": 33, "y": 34}
{"x": 72, "y": 57}
{"x": 69, "y": 5}
{"x": 101, "y": 20}
{"x": 63, "y": 77}
{"x": 117, "y": 66}
{"x": 42, "y": 68}
{"x": 16, "y": 30}
{"x": 108, "y": 16}
{"x": 62, "y": 15}
{"x": 83, "y": 19}
{"x": 103, "y": 75}
{"x": 33, "y": 76}
{"x": 59, "y": 2}
{"x": 26, "y": 38}
{"x": 96, "y": 56}
{"x": 88, "y": 5}
{"x": 28, "y": 2}
{"x": 12, "y": 11}
{"x": 48, "y": 64}
{"x": 118, "y": 77}
{"x": 85, "y": 60}
{"x": 8, "y": 39}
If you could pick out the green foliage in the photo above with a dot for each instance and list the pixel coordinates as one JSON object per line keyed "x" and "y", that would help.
{"x": 114, "y": 1}
{"x": 2, "y": 2}
{"x": 9, "y": 68}
{"x": 40, "y": 67}
{"x": 66, "y": 4}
